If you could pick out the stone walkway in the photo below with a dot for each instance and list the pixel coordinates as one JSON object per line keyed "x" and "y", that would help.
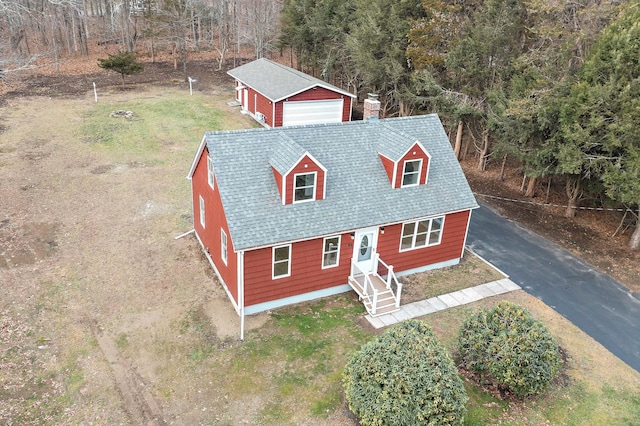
{"x": 445, "y": 301}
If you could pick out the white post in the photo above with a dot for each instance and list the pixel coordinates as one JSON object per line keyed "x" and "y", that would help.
{"x": 95, "y": 92}
{"x": 375, "y": 301}
{"x": 389, "y": 275}
{"x": 191, "y": 81}
{"x": 240, "y": 259}
{"x": 399, "y": 294}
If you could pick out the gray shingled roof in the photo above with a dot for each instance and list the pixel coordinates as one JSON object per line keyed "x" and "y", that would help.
{"x": 276, "y": 81}
{"x": 358, "y": 191}
{"x": 286, "y": 154}
{"x": 392, "y": 143}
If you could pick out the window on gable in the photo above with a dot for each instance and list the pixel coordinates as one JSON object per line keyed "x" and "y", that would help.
{"x": 223, "y": 246}
{"x": 210, "y": 174}
{"x": 331, "y": 252}
{"x": 411, "y": 173}
{"x": 304, "y": 187}
{"x": 202, "y": 221}
{"x": 423, "y": 233}
{"x": 281, "y": 261}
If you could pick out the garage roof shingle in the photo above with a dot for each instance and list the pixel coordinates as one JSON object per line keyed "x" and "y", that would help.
{"x": 276, "y": 81}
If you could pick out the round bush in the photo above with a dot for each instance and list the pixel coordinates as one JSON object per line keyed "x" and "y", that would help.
{"x": 507, "y": 346}
{"x": 404, "y": 377}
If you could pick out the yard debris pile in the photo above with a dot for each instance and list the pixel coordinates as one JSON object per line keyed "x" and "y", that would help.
{"x": 122, "y": 113}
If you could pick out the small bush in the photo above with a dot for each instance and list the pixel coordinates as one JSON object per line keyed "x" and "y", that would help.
{"x": 404, "y": 377}
{"x": 507, "y": 346}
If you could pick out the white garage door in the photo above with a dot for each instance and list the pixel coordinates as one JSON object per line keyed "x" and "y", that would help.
{"x": 312, "y": 112}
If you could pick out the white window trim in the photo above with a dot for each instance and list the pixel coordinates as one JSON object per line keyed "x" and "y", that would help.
{"x": 315, "y": 187}
{"x": 273, "y": 262}
{"x": 202, "y": 212}
{"x": 210, "y": 173}
{"x": 428, "y": 233}
{"x": 223, "y": 245}
{"x": 324, "y": 253}
{"x": 404, "y": 165}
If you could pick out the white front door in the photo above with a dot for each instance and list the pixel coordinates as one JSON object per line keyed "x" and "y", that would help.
{"x": 364, "y": 248}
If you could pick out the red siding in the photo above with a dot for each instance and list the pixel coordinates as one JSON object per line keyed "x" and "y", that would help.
{"x": 388, "y": 167}
{"x": 452, "y": 243}
{"x": 306, "y": 271}
{"x": 316, "y": 94}
{"x": 265, "y": 106}
{"x": 214, "y": 220}
{"x": 414, "y": 153}
{"x": 251, "y": 99}
{"x": 306, "y": 261}
{"x": 278, "y": 178}
{"x": 306, "y": 165}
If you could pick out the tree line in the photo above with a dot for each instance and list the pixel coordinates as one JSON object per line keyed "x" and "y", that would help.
{"x": 551, "y": 85}
{"x": 33, "y": 29}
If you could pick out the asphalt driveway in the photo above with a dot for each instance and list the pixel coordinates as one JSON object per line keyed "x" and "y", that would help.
{"x": 593, "y": 301}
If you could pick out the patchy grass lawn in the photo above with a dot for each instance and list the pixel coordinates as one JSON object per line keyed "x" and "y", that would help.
{"x": 470, "y": 272}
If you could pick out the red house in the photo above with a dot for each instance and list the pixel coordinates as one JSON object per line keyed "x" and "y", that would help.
{"x": 292, "y": 214}
{"x": 276, "y": 96}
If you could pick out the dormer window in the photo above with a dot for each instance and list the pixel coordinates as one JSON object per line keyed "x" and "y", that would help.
{"x": 299, "y": 176}
{"x": 404, "y": 159}
{"x": 305, "y": 187}
{"x": 411, "y": 173}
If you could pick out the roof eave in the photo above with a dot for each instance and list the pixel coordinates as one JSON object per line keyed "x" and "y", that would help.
{"x": 324, "y": 86}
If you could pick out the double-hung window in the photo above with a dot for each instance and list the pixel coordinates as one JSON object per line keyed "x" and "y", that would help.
{"x": 423, "y": 233}
{"x": 331, "y": 252}
{"x": 411, "y": 173}
{"x": 281, "y": 261}
{"x": 304, "y": 187}
{"x": 202, "y": 221}
{"x": 210, "y": 174}
{"x": 223, "y": 245}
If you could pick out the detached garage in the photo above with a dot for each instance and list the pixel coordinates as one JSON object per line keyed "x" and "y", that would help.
{"x": 276, "y": 96}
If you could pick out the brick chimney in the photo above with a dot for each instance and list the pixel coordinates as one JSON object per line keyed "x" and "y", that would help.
{"x": 371, "y": 107}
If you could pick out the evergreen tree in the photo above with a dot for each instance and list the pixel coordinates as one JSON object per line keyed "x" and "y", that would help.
{"x": 604, "y": 110}
{"x": 122, "y": 62}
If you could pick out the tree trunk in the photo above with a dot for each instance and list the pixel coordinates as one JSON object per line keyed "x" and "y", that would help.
{"x": 458, "y": 145}
{"x": 531, "y": 188}
{"x": 482, "y": 164}
{"x": 546, "y": 198}
{"x": 634, "y": 242}
{"x": 573, "y": 194}
{"x": 504, "y": 163}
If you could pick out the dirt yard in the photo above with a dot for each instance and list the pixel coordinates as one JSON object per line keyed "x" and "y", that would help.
{"x": 89, "y": 264}
{"x": 88, "y": 260}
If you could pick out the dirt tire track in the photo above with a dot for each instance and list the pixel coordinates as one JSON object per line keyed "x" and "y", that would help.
{"x": 138, "y": 402}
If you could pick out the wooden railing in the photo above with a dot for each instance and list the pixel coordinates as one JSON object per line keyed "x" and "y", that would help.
{"x": 386, "y": 273}
{"x": 368, "y": 289}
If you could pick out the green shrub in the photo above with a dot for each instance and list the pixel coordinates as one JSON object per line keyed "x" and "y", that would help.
{"x": 404, "y": 377}
{"x": 506, "y": 346}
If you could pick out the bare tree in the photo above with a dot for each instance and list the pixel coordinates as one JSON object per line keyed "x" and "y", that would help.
{"x": 262, "y": 18}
